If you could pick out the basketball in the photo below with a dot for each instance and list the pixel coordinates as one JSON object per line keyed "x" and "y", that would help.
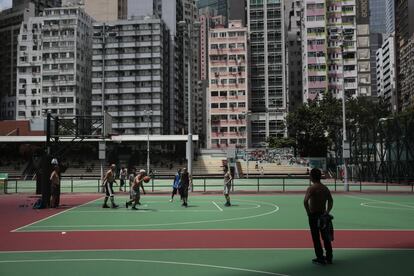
{"x": 147, "y": 179}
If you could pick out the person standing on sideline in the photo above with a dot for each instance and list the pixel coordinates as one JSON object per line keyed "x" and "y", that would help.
{"x": 123, "y": 177}
{"x": 131, "y": 178}
{"x": 135, "y": 192}
{"x": 185, "y": 185}
{"x": 318, "y": 202}
{"x": 176, "y": 184}
{"x": 227, "y": 185}
{"x": 55, "y": 187}
{"x": 108, "y": 183}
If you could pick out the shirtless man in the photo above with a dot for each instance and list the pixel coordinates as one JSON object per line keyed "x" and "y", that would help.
{"x": 135, "y": 192}
{"x": 108, "y": 182}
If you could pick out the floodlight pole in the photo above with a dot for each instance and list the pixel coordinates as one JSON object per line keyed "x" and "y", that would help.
{"x": 345, "y": 148}
{"x": 147, "y": 113}
{"x": 103, "y": 34}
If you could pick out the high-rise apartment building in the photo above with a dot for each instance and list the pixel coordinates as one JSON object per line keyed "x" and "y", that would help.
{"x": 390, "y": 16}
{"x": 131, "y": 70}
{"x": 228, "y": 96}
{"x": 375, "y": 42}
{"x": 171, "y": 12}
{"x": 54, "y": 64}
{"x": 407, "y": 74}
{"x": 377, "y": 15}
{"x": 329, "y": 40}
{"x": 107, "y": 10}
{"x": 101, "y": 10}
{"x": 293, "y": 23}
{"x": 268, "y": 99}
{"x": 386, "y": 73}
{"x": 10, "y": 22}
{"x": 191, "y": 48}
{"x": 29, "y": 70}
{"x": 363, "y": 48}
{"x": 404, "y": 31}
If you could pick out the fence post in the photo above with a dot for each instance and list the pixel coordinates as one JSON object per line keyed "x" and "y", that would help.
{"x": 283, "y": 184}
{"x": 258, "y": 184}
{"x": 16, "y": 186}
{"x": 5, "y": 185}
{"x": 152, "y": 184}
{"x": 204, "y": 180}
{"x": 412, "y": 187}
{"x": 335, "y": 183}
{"x": 71, "y": 184}
{"x": 386, "y": 186}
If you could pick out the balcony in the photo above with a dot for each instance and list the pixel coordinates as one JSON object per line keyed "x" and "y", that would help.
{"x": 317, "y": 84}
{"x": 350, "y": 85}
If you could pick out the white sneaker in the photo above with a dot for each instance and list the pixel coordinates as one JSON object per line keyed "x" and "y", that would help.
{"x": 171, "y": 200}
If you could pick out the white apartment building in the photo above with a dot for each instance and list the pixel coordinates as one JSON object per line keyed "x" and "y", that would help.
{"x": 131, "y": 70}
{"x": 29, "y": 70}
{"x": 329, "y": 48}
{"x": 54, "y": 64}
{"x": 386, "y": 73}
{"x": 228, "y": 92}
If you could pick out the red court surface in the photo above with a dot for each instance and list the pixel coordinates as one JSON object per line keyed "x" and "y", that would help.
{"x": 13, "y": 216}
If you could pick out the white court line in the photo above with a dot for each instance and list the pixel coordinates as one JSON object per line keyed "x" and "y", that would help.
{"x": 148, "y": 261}
{"x": 204, "y": 249}
{"x": 381, "y": 201}
{"x": 370, "y": 205}
{"x": 46, "y": 218}
{"x": 276, "y": 208}
{"x": 217, "y": 206}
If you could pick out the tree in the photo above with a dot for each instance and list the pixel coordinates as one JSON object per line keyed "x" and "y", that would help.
{"x": 317, "y": 125}
{"x": 281, "y": 142}
{"x": 309, "y": 125}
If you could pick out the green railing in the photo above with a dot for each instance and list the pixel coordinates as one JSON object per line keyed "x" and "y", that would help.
{"x": 255, "y": 184}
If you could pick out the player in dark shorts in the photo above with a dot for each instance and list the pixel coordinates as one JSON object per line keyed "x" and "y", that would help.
{"x": 227, "y": 185}
{"x": 135, "y": 192}
{"x": 108, "y": 183}
{"x": 123, "y": 174}
{"x": 176, "y": 184}
{"x": 55, "y": 187}
{"x": 185, "y": 185}
{"x": 318, "y": 204}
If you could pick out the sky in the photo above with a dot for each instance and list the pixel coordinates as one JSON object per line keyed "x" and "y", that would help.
{"x": 5, "y": 4}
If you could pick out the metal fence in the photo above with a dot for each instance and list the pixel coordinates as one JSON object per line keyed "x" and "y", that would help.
{"x": 256, "y": 184}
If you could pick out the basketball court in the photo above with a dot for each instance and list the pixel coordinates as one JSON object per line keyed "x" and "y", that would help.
{"x": 258, "y": 235}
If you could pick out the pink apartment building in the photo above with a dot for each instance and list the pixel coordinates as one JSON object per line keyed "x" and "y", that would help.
{"x": 329, "y": 48}
{"x": 227, "y": 96}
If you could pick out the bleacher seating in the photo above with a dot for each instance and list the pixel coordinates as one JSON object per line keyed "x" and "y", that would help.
{"x": 14, "y": 172}
{"x": 272, "y": 169}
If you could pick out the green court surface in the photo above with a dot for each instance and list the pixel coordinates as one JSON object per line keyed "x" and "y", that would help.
{"x": 211, "y": 184}
{"x": 352, "y": 211}
{"x": 226, "y": 262}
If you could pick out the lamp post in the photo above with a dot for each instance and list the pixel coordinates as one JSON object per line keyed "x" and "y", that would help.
{"x": 345, "y": 146}
{"x": 190, "y": 29}
{"x": 247, "y": 115}
{"x": 104, "y": 35}
{"x": 148, "y": 113}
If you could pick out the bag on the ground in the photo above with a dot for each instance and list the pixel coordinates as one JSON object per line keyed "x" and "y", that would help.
{"x": 38, "y": 204}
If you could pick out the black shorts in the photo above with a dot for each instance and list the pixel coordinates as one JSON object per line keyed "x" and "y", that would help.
{"x": 109, "y": 191}
{"x": 175, "y": 190}
{"x": 184, "y": 192}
